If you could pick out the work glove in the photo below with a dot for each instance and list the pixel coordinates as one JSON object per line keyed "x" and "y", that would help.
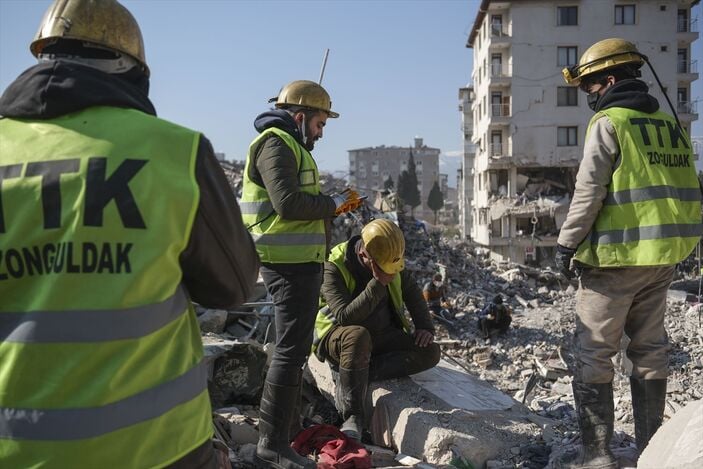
{"x": 563, "y": 260}
{"x": 348, "y": 201}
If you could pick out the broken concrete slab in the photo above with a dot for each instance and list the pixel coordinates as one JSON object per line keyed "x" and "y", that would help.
{"x": 679, "y": 442}
{"x": 236, "y": 370}
{"x": 434, "y": 419}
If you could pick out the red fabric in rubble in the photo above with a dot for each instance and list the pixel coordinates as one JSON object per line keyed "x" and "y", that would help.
{"x": 335, "y": 450}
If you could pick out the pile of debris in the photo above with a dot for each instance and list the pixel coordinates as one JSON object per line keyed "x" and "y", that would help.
{"x": 530, "y": 363}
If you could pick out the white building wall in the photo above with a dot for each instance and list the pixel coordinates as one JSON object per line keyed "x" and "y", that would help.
{"x": 528, "y": 78}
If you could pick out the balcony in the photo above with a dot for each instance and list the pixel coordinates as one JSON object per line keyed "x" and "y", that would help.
{"x": 687, "y": 70}
{"x": 500, "y": 113}
{"x": 500, "y": 75}
{"x": 500, "y": 36}
{"x": 499, "y": 155}
{"x": 687, "y": 30}
{"x": 687, "y": 111}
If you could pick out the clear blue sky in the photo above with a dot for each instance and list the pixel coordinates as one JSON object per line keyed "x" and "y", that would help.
{"x": 394, "y": 69}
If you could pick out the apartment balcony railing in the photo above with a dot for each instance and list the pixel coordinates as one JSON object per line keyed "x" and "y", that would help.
{"x": 500, "y": 71}
{"x": 500, "y": 110}
{"x": 499, "y": 150}
{"x": 685, "y": 66}
{"x": 687, "y": 26}
{"x": 684, "y": 107}
{"x": 499, "y": 30}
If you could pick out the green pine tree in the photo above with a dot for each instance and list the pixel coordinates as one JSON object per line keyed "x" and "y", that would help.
{"x": 435, "y": 200}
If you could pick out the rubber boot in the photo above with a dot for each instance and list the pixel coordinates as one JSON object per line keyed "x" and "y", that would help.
{"x": 353, "y": 388}
{"x": 275, "y": 414}
{"x": 594, "y": 405}
{"x": 648, "y": 401}
{"x": 295, "y": 424}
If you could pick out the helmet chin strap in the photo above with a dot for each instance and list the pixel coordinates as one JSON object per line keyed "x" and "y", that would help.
{"x": 304, "y": 131}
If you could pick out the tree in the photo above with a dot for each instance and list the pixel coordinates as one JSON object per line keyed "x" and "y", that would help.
{"x": 388, "y": 183}
{"x": 407, "y": 186}
{"x": 435, "y": 200}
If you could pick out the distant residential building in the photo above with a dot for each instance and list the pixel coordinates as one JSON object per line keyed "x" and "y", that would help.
{"x": 528, "y": 125}
{"x": 465, "y": 174}
{"x": 370, "y": 167}
{"x": 220, "y": 156}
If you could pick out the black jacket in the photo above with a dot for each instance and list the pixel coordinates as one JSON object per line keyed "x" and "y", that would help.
{"x": 219, "y": 264}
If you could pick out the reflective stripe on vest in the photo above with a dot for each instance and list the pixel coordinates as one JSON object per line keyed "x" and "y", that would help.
{"x": 279, "y": 240}
{"x": 325, "y": 319}
{"x": 651, "y": 213}
{"x": 100, "y": 351}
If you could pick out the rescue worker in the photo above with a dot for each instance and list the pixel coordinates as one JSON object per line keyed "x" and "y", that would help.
{"x": 361, "y": 328}
{"x": 435, "y": 294}
{"x": 495, "y": 316}
{"x": 635, "y": 214}
{"x": 284, "y": 210}
{"x": 111, "y": 221}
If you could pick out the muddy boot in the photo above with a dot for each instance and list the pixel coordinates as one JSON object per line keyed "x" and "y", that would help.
{"x": 353, "y": 388}
{"x": 594, "y": 404}
{"x": 275, "y": 415}
{"x": 648, "y": 401}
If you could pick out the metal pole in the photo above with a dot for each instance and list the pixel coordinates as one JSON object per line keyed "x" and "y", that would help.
{"x": 324, "y": 64}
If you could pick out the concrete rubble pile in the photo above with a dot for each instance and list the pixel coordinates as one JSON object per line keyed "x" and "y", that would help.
{"x": 534, "y": 356}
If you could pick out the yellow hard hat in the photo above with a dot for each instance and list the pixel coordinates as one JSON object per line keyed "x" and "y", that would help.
{"x": 602, "y": 55}
{"x": 105, "y": 23}
{"x": 385, "y": 243}
{"x": 306, "y": 94}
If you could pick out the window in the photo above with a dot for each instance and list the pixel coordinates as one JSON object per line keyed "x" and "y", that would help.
{"x": 566, "y": 56}
{"x": 567, "y": 16}
{"x": 566, "y": 136}
{"x": 497, "y": 25}
{"x": 682, "y": 60}
{"x": 567, "y": 96}
{"x": 682, "y": 21}
{"x": 624, "y": 14}
{"x": 496, "y": 65}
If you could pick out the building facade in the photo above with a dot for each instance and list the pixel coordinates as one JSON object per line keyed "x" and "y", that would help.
{"x": 528, "y": 126}
{"x": 370, "y": 167}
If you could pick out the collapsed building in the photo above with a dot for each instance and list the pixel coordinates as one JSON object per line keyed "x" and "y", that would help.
{"x": 523, "y": 127}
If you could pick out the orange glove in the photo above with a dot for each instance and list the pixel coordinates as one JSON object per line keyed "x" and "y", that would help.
{"x": 348, "y": 201}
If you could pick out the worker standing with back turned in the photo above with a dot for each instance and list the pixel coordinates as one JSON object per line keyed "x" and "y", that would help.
{"x": 285, "y": 212}
{"x": 636, "y": 212}
{"x": 111, "y": 220}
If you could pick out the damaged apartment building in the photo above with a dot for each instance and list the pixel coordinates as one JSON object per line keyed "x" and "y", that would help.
{"x": 524, "y": 127}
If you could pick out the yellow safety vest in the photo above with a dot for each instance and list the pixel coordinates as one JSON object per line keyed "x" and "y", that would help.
{"x": 651, "y": 215}
{"x": 279, "y": 240}
{"x": 325, "y": 320}
{"x": 100, "y": 353}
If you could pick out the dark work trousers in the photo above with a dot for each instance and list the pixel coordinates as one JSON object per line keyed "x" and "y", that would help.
{"x": 295, "y": 289}
{"x": 391, "y": 354}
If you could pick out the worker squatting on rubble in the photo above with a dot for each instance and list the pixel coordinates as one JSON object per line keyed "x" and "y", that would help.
{"x": 435, "y": 294}
{"x": 111, "y": 221}
{"x": 286, "y": 214}
{"x": 636, "y": 212}
{"x": 361, "y": 329}
{"x": 494, "y": 317}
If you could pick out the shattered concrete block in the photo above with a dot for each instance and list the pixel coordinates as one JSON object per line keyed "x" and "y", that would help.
{"x": 237, "y": 371}
{"x": 439, "y": 413}
{"x": 213, "y": 320}
{"x": 678, "y": 444}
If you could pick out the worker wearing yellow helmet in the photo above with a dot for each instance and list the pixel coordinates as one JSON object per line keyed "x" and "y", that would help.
{"x": 111, "y": 221}
{"x": 636, "y": 212}
{"x": 361, "y": 328}
{"x": 287, "y": 215}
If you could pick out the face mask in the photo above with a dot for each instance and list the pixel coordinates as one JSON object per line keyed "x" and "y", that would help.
{"x": 437, "y": 284}
{"x": 592, "y": 100}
